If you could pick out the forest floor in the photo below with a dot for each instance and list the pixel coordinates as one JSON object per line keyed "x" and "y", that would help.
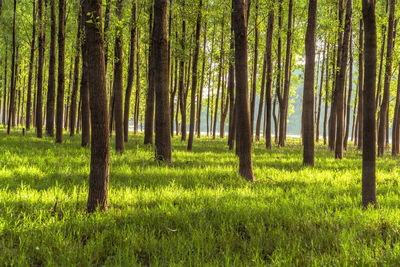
{"x": 196, "y": 211}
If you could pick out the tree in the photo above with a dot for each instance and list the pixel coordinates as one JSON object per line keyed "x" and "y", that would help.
{"x": 100, "y": 155}
{"x": 308, "y": 97}
{"x": 39, "y": 104}
{"x": 32, "y": 56}
{"x": 360, "y": 110}
{"x": 242, "y": 99}
{"x": 268, "y": 98}
{"x": 118, "y": 83}
{"x": 383, "y": 121}
{"x": 131, "y": 72}
{"x": 160, "y": 54}
{"x": 61, "y": 63}
{"x": 369, "y": 137}
{"x": 11, "y": 109}
{"x": 341, "y": 81}
{"x": 194, "y": 78}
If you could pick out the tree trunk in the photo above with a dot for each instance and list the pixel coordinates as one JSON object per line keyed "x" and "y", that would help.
{"x": 278, "y": 76}
{"x": 72, "y": 113}
{"x": 369, "y": 146}
{"x": 361, "y": 88}
{"x": 137, "y": 96}
{"x": 308, "y": 98}
{"x": 268, "y": 97}
{"x": 181, "y": 90}
{"x": 118, "y": 83}
{"x": 160, "y": 54}
{"x": 39, "y": 94}
{"x": 61, "y": 79}
{"x": 32, "y": 55}
{"x": 5, "y": 88}
{"x": 325, "y": 59}
{"x": 254, "y": 83}
{"x": 51, "y": 88}
{"x": 326, "y": 94}
{"x": 395, "y": 127}
{"x": 346, "y": 136}
{"x": 194, "y": 78}
{"x": 11, "y": 109}
{"x": 84, "y": 110}
{"x": 200, "y": 98}
{"x": 386, "y": 91}
{"x": 131, "y": 72}
{"x": 149, "y": 113}
{"x": 242, "y": 98}
{"x": 283, "y": 106}
{"x": 100, "y": 154}
{"x": 341, "y": 81}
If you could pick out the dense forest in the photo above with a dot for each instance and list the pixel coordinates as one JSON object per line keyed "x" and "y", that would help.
{"x": 312, "y": 84}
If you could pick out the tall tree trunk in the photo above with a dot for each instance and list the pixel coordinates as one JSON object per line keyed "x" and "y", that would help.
{"x": 326, "y": 94}
{"x": 100, "y": 154}
{"x": 32, "y": 56}
{"x": 61, "y": 63}
{"x": 118, "y": 83}
{"x": 137, "y": 96}
{"x": 210, "y": 77}
{"x": 268, "y": 97}
{"x": 325, "y": 59}
{"x": 361, "y": 88}
{"x": 160, "y": 54}
{"x": 11, "y": 109}
{"x": 346, "y": 136}
{"x": 51, "y": 88}
{"x": 105, "y": 31}
{"x": 5, "y": 87}
{"x": 84, "y": 110}
{"x": 341, "y": 81}
{"x": 388, "y": 74}
{"x": 395, "y": 127}
{"x": 74, "y": 94}
{"x": 278, "y": 93}
{"x": 242, "y": 98}
{"x": 308, "y": 98}
{"x": 369, "y": 146}
{"x": 194, "y": 78}
{"x": 231, "y": 89}
{"x": 181, "y": 90}
{"x": 254, "y": 83}
{"x": 131, "y": 72}
{"x": 149, "y": 112}
{"x": 283, "y": 107}
{"x": 172, "y": 98}
{"x": 200, "y": 98}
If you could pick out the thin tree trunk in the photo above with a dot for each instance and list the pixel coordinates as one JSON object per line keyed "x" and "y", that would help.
{"x": 131, "y": 72}
{"x": 361, "y": 88}
{"x": 395, "y": 127}
{"x": 383, "y": 121}
{"x": 325, "y": 59}
{"x": 200, "y": 98}
{"x": 137, "y": 96}
{"x": 181, "y": 90}
{"x": 11, "y": 109}
{"x": 346, "y": 136}
{"x": 254, "y": 83}
{"x": 32, "y": 55}
{"x": 194, "y": 78}
{"x": 84, "y": 103}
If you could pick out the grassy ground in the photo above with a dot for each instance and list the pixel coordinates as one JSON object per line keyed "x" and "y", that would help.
{"x": 196, "y": 211}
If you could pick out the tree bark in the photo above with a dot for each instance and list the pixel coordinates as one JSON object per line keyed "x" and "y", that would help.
{"x": 100, "y": 152}
{"x": 181, "y": 90}
{"x": 61, "y": 63}
{"x": 11, "y": 109}
{"x": 361, "y": 87}
{"x": 194, "y": 79}
{"x": 341, "y": 81}
{"x": 386, "y": 91}
{"x": 131, "y": 72}
{"x": 243, "y": 124}
{"x": 200, "y": 98}
{"x": 137, "y": 96}
{"x": 32, "y": 55}
{"x": 346, "y": 136}
{"x": 395, "y": 127}
{"x": 308, "y": 98}
{"x": 254, "y": 83}
{"x": 118, "y": 83}
{"x": 369, "y": 146}
{"x": 325, "y": 59}
{"x": 84, "y": 110}
{"x": 160, "y": 54}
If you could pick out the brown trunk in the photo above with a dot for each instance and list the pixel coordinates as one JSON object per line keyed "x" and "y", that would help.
{"x": 72, "y": 113}
{"x": 210, "y": 76}
{"x": 200, "y": 97}
{"x": 100, "y": 151}
{"x": 39, "y": 94}
{"x": 105, "y": 31}
{"x": 278, "y": 94}
{"x": 5, "y": 88}
{"x": 32, "y": 55}
{"x": 11, "y": 109}
{"x": 181, "y": 90}
{"x": 369, "y": 147}
{"x": 283, "y": 103}
{"x": 231, "y": 90}
{"x": 346, "y": 136}
{"x": 325, "y": 59}
{"x": 118, "y": 83}
{"x": 308, "y": 97}
{"x": 61, "y": 63}
{"x": 160, "y": 54}
{"x": 137, "y": 96}
{"x": 84, "y": 110}
{"x": 51, "y": 87}
{"x": 131, "y": 72}
{"x": 395, "y": 127}
{"x": 242, "y": 98}
{"x": 149, "y": 112}
{"x": 194, "y": 79}
{"x": 326, "y": 94}
{"x": 268, "y": 97}
{"x": 254, "y": 83}
{"x": 361, "y": 88}
{"x": 341, "y": 82}
{"x": 172, "y": 98}
{"x": 383, "y": 121}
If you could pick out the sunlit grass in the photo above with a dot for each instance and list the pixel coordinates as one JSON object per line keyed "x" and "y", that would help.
{"x": 195, "y": 211}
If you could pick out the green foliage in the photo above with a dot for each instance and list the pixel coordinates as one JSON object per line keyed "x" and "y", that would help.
{"x": 196, "y": 211}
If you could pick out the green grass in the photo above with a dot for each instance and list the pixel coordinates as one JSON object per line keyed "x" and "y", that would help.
{"x": 196, "y": 211}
